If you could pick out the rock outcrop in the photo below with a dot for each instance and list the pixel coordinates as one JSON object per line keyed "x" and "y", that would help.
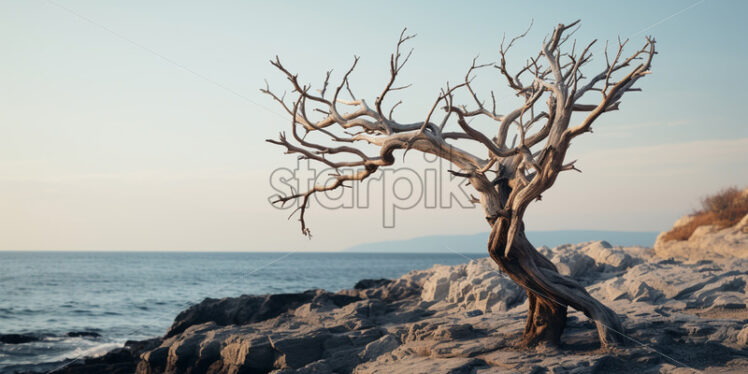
{"x": 678, "y": 316}
{"x": 706, "y": 243}
{"x": 17, "y": 338}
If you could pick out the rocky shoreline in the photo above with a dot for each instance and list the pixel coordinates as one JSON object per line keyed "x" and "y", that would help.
{"x": 678, "y": 316}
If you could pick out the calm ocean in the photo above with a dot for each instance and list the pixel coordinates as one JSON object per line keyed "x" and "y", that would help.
{"x": 126, "y": 295}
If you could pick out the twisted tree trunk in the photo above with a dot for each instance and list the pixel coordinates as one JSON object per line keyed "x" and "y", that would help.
{"x": 548, "y": 292}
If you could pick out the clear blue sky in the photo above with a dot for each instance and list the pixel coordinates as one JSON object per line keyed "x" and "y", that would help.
{"x": 139, "y": 125}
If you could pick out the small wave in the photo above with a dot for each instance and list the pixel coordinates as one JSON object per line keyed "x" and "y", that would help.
{"x": 51, "y": 351}
{"x": 94, "y": 351}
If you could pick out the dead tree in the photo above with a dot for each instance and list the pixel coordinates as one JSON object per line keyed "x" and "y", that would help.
{"x": 508, "y": 179}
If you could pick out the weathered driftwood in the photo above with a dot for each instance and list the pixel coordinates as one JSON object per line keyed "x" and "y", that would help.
{"x": 508, "y": 180}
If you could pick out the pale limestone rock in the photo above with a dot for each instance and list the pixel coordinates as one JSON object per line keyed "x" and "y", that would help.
{"x": 573, "y": 263}
{"x": 743, "y": 336}
{"x": 437, "y": 287}
{"x": 479, "y": 285}
{"x": 607, "y": 256}
{"x": 707, "y": 243}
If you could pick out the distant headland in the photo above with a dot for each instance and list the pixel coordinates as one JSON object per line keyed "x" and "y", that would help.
{"x": 476, "y": 243}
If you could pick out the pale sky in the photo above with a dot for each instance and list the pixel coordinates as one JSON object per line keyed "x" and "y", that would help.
{"x": 140, "y": 126}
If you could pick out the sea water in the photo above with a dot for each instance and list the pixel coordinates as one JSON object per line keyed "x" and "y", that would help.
{"x": 136, "y": 295}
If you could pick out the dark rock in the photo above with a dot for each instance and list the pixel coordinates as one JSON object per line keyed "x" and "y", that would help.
{"x": 538, "y": 370}
{"x": 117, "y": 361}
{"x": 116, "y": 356}
{"x": 364, "y": 337}
{"x": 154, "y": 361}
{"x": 18, "y": 338}
{"x": 384, "y": 289}
{"x": 371, "y": 283}
{"x": 299, "y": 350}
{"x": 473, "y": 313}
{"x": 83, "y": 334}
{"x": 260, "y": 356}
{"x": 337, "y": 342}
{"x": 139, "y": 346}
{"x": 250, "y": 308}
{"x": 454, "y": 332}
{"x": 184, "y": 353}
{"x": 367, "y": 308}
{"x": 467, "y": 368}
{"x": 343, "y": 361}
{"x": 97, "y": 368}
{"x": 400, "y": 290}
{"x": 207, "y": 356}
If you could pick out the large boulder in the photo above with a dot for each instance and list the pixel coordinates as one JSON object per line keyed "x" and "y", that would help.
{"x": 589, "y": 258}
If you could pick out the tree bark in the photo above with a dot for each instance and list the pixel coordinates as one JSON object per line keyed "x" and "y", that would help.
{"x": 549, "y": 293}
